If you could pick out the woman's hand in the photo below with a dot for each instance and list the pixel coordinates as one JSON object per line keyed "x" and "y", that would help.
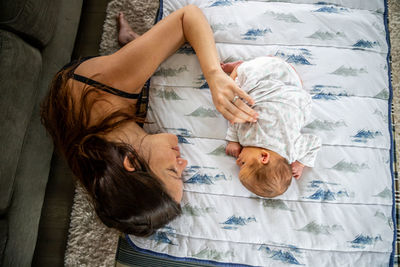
{"x": 223, "y": 90}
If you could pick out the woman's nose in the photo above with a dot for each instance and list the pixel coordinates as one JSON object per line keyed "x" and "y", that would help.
{"x": 182, "y": 163}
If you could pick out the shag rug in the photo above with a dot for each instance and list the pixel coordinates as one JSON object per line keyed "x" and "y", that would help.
{"x": 90, "y": 243}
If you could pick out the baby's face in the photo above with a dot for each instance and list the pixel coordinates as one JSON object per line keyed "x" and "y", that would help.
{"x": 246, "y": 156}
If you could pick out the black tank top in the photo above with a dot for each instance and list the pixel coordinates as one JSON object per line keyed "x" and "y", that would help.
{"x": 96, "y": 84}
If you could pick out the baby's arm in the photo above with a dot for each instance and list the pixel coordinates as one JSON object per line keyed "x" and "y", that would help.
{"x": 297, "y": 169}
{"x": 233, "y": 148}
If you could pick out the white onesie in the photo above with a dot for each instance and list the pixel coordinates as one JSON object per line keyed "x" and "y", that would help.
{"x": 283, "y": 107}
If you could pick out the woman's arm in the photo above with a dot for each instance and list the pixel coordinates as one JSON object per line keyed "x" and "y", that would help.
{"x": 130, "y": 67}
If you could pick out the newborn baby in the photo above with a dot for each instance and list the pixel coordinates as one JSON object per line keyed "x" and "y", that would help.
{"x": 272, "y": 150}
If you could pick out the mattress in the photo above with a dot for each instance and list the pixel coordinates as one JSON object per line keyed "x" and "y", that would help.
{"x": 341, "y": 212}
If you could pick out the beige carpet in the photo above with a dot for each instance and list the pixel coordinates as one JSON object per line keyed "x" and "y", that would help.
{"x": 90, "y": 243}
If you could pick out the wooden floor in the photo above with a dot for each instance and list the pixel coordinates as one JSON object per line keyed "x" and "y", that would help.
{"x": 55, "y": 218}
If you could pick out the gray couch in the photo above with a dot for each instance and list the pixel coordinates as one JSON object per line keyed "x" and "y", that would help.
{"x": 36, "y": 39}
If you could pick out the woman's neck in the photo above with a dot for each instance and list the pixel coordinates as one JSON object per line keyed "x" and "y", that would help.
{"x": 132, "y": 134}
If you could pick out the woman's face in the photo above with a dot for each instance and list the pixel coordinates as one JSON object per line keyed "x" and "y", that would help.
{"x": 166, "y": 162}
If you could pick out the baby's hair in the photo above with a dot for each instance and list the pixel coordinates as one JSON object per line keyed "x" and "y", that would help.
{"x": 266, "y": 180}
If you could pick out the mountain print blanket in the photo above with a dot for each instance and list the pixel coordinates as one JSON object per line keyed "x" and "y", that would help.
{"x": 340, "y": 213}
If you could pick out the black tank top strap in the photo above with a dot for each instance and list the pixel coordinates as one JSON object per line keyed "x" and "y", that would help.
{"x": 104, "y": 87}
{"x": 98, "y": 85}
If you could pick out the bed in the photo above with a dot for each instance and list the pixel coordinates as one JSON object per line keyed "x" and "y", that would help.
{"x": 341, "y": 212}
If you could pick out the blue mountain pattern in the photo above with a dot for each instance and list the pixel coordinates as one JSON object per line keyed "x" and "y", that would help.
{"x": 213, "y": 254}
{"x": 327, "y": 96}
{"x": 169, "y": 72}
{"x": 204, "y": 178}
{"x": 320, "y": 88}
{"x": 196, "y": 168}
{"x": 194, "y": 210}
{"x": 168, "y": 94}
{"x": 223, "y": 27}
{"x": 365, "y": 44}
{"x": 386, "y": 193}
{"x": 204, "y": 112}
{"x": 361, "y": 241}
{"x": 349, "y": 166}
{"x": 348, "y": 71}
{"x": 280, "y": 255}
{"x": 325, "y": 35}
{"x": 221, "y": 3}
{"x": 363, "y": 136}
{"x": 319, "y": 183}
{"x": 290, "y": 18}
{"x": 328, "y": 195}
{"x": 180, "y": 131}
{"x": 252, "y": 34}
{"x": 233, "y": 222}
{"x": 161, "y": 237}
{"x": 325, "y": 125}
{"x": 332, "y": 9}
{"x": 383, "y": 94}
{"x": 320, "y": 229}
{"x": 275, "y": 204}
{"x": 293, "y": 58}
{"x": 219, "y": 151}
{"x": 182, "y": 140}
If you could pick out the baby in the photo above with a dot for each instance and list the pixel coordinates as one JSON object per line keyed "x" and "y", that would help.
{"x": 274, "y": 149}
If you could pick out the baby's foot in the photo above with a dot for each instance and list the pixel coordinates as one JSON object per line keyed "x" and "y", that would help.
{"x": 125, "y": 32}
{"x": 228, "y": 67}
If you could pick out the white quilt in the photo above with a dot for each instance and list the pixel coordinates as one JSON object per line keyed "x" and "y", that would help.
{"x": 340, "y": 213}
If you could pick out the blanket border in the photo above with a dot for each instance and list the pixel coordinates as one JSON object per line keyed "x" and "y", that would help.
{"x": 390, "y": 128}
{"x": 388, "y": 59}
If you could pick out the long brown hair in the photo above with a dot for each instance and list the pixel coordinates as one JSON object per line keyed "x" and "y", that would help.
{"x": 133, "y": 202}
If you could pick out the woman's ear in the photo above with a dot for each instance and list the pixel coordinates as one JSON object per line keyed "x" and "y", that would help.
{"x": 128, "y": 165}
{"x": 265, "y": 156}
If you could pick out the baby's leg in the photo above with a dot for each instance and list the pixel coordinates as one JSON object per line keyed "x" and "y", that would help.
{"x": 125, "y": 32}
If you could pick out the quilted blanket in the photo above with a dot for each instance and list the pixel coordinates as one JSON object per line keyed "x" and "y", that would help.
{"x": 341, "y": 212}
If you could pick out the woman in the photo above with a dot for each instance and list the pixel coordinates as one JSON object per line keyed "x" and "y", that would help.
{"x": 134, "y": 179}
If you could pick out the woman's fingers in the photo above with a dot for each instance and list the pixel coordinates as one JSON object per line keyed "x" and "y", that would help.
{"x": 231, "y": 117}
{"x": 243, "y": 95}
{"x": 244, "y": 107}
{"x": 238, "y": 114}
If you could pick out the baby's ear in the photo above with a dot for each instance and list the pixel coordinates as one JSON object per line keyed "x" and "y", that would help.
{"x": 265, "y": 156}
{"x": 128, "y": 165}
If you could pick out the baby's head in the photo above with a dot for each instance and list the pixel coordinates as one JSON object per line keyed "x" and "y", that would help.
{"x": 264, "y": 172}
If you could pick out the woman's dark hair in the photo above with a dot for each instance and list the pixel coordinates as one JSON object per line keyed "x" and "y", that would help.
{"x": 132, "y": 202}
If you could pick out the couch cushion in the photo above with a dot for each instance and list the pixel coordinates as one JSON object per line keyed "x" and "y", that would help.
{"x": 35, "y": 19}
{"x": 20, "y": 68}
{"x": 3, "y": 237}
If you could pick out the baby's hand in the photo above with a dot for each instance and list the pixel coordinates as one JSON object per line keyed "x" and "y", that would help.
{"x": 233, "y": 149}
{"x": 297, "y": 169}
